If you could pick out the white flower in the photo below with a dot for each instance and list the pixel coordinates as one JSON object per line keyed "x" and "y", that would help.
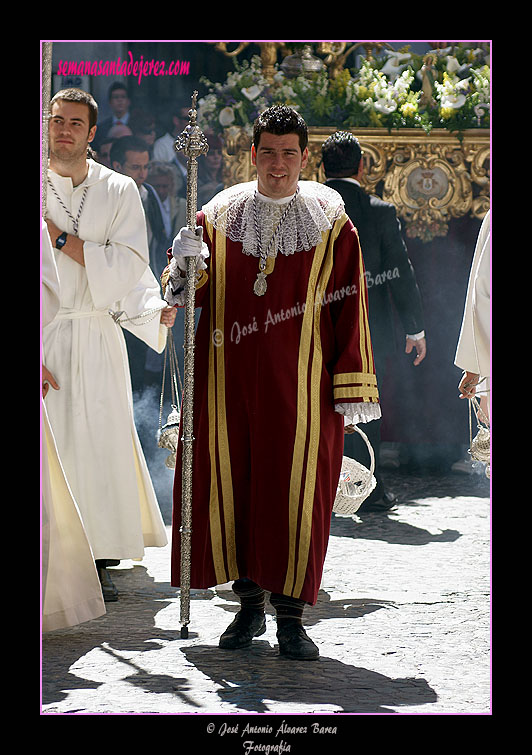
{"x": 286, "y": 92}
{"x": 443, "y": 51}
{"x": 402, "y": 84}
{"x": 304, "y": 83}
{"x": 396, "y": 62}
{"x": 385, "y": 105}
{"x": 226, "y": 116}
{"x": 350, "y": 91}
{"x": 206, "y": 105}
{"x": 450, "y": 91}
{"x": 452, "y": 64}
{"x": 233, "y": 79}
{"x": 252, "y": 92}
{"x": 453, "y": 100}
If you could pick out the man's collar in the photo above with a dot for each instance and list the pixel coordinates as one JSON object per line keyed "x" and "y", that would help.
{"x": 124, "y": 119}
{"x": 350, "y": 180}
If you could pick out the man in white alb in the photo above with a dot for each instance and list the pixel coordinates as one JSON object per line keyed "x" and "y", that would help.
{"x": 97, "y": 228}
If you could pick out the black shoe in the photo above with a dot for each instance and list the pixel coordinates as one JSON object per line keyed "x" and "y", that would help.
{"x": 385, "y": 503}
{"x": 109, "y": 591}
{"x": 240, "y": 632}
{"x": 295, "y": 643}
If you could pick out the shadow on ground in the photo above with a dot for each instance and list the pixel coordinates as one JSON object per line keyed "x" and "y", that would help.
{"x": 249, "y": 680}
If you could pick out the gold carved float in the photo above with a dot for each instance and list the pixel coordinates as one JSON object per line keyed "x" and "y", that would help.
{"x": 429, "y": 178}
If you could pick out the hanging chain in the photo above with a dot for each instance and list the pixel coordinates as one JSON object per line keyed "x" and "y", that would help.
{"x": 264, "y": 255}
{"x": 75, "y": 220}
{"x": 151, "y": 313}
{"x": 170, "y": 357}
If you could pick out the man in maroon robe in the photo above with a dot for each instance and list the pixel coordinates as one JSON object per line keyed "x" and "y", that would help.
{"x": 283, "y": 367}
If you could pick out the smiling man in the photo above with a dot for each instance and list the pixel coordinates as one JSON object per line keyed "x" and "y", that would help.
{"x": 270, "y": 408}
{"x": 279, "y": 160}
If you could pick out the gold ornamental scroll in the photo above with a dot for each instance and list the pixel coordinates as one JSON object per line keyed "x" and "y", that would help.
{"x": 429, "y": 178}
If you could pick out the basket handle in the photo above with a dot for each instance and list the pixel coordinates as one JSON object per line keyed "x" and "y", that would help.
{"x": 370, "y": 448}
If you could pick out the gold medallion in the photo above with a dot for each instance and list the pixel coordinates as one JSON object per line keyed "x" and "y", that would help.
{"x": 260, "y": 284}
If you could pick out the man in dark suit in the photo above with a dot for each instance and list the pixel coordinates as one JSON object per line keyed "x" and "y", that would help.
{"x": 390, "y": 278}
{"x": 129, "y": 155}
{"x": 119, "y": 103}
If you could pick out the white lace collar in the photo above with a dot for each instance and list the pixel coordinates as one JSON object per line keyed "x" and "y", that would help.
{"x": 314, "y": 211}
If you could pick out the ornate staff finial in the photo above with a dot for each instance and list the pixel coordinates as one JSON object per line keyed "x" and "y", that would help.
{"x": 193, "y": 143}
{"x": 192, "y": 140}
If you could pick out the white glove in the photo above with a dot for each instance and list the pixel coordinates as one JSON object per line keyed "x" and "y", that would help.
{"x": 188, "y": 243}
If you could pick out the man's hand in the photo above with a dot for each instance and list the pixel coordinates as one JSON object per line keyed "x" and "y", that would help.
{"x": 188, "y": 243}
{"x": 47, "y": 381}
{"x": 168, "y": 316}
{"x": 420, "y": 346}
{"x": 348, "y": 429}
{"x": 467, "y": 385}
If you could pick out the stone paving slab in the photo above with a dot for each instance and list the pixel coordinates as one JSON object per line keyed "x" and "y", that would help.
{"x": 402, "y": 622}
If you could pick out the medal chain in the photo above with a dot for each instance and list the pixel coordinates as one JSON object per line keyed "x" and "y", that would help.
{"x": 263, "y": 255}
{"x": 75, "y": 220}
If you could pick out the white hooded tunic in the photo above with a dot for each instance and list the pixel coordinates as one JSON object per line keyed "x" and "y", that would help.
{"x": 71, "y": 591}
{"x": 84, "y": 348}
{"x": 473, "y": 349}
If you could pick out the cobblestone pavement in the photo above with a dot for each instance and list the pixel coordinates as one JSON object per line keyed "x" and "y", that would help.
{"x": 402, "y": 622}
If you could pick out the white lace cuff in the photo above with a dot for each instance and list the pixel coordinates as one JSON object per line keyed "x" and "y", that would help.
{"x": 174, "y": 293}
{"x": 175, "y": 286}
{"x": 360, "y": 412}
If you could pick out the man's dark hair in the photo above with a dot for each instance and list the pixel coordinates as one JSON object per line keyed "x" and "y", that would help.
{"x": 115, "y": 86}
{"x": 341, "y": 155}
{"x": 72, "y": 94}
{"x": 126, "y": 144}
{"x": 280, "y": 120}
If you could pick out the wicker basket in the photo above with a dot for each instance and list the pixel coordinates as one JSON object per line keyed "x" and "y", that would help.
{"x": 356, "y": 482}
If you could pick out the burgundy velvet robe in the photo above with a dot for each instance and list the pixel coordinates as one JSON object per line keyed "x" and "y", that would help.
{"x": 268, "y": 442}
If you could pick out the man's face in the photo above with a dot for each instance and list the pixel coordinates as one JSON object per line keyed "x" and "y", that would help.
{"x": 135, "y": 165}
{"x": 279, "y": 162}
{"x": 181, "y": 120}
{"x": 119, "y": 102}
{"x": 104, "y": 154}
{"x": 69, "y": 130}
{"x": 162, "y": 185}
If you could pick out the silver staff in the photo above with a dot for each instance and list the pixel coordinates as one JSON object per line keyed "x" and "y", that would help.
{"x": 193, "y": 143}
{"x": 45, "y": 96}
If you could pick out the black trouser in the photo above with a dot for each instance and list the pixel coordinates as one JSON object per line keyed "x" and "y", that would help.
{"x": 252, "y": 597}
